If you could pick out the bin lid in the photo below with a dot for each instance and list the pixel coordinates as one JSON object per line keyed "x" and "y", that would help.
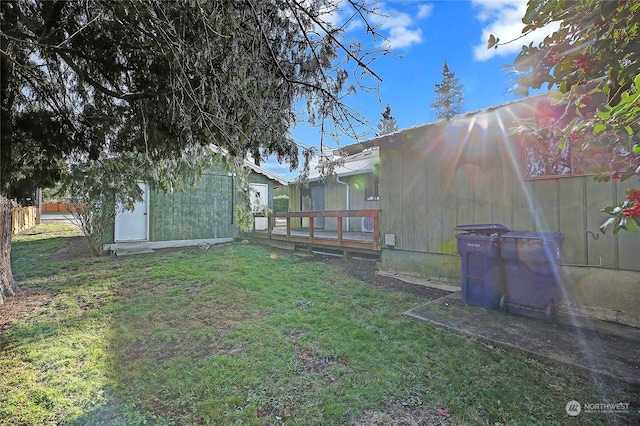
{"x": 484, "y": 229}
{"x": 527, "y": 235}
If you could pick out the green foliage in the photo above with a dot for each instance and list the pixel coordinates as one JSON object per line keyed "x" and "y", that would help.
{"x": 281, "y": 203}
{"x": 592, "y": 60}
{"x": 101, "y": 189}
{"x": 388, "y": 123}
{"x": 449, "y": 96}
{"x": 91, "y": 79}
{"x": 155, "y": 77}
{"x": 625, "y": 216}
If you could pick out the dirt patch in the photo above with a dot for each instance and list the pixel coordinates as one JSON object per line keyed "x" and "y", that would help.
{"x": 365, "y": 270}
{"x": 401, "y": 413}
{"x": 22, "y": 304}
{"x": 78, "y": 248}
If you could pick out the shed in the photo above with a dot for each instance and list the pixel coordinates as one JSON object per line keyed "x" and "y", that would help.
{"x": 203, "y": 213}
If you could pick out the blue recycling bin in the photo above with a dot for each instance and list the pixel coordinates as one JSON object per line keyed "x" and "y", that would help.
{"x": 482, "y": 270}
{"x": 532, "y": 273}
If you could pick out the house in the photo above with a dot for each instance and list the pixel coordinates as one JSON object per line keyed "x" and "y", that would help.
{"x": 203, "y": 213}
{"x": 475, "y": 170}
{"x": 352, "y": 186}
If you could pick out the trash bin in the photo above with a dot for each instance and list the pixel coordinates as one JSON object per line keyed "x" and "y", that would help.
{"x": 532, "y": 273}
{"x": 482, "y": 271}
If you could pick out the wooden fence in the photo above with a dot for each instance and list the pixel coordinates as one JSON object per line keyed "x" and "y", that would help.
{"x": 23, "y": 218}
{"x": 58, "y": 208}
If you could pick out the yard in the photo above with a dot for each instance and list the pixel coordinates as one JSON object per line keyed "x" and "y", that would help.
{"x": 239, "y": 334}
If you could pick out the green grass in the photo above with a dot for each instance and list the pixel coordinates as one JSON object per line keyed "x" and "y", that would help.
{"x": 232, "y": 336}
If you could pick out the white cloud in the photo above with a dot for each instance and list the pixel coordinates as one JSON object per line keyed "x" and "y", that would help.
{"x": 503, "y": 19}
{"x": 400, "y": 28}
{"x": 424, "y": 11}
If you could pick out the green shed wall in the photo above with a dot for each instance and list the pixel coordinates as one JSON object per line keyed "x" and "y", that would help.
{"x": 204, "y": 211}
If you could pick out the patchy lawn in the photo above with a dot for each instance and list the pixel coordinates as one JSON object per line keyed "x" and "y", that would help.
{"x": 239, "y": 334}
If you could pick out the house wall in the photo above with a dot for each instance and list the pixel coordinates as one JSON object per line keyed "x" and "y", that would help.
{"x": 437, "y": 177}
{"x": 334, "y": 194}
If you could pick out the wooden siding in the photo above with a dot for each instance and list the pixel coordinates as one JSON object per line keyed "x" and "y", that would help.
{"x": 430, "y": 183}
{"x": 204, "y": 211}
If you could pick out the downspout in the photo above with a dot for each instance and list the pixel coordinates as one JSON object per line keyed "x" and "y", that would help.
{"x": 348, "y": 197}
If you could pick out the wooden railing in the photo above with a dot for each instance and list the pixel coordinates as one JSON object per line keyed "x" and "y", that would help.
{"x": 338, "y": 238}
{"x": 23, "y": 218}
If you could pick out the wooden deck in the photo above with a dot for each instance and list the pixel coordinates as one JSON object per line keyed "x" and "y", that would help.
{"x": 312, "y": 239}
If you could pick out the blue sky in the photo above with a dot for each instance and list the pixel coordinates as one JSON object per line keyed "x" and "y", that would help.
{"x": 424, "y": 34}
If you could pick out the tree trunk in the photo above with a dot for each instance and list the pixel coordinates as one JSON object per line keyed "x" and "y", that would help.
{"x": 7, "y": 283}
{"x": 7, "y": 98}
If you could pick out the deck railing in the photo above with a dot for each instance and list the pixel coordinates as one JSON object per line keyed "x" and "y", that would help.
{"x": 313, "y": 237}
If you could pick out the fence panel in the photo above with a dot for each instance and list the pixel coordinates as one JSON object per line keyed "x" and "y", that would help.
{"x": 23, "y": 218}
{"x": 58, "y": 208}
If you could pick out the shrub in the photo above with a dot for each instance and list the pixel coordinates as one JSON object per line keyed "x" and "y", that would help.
{"x": 281, "y": 203}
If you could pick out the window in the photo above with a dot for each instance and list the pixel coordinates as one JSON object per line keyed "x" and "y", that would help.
{"x": 545, "y": 159}
{"x": 371, "y": 191}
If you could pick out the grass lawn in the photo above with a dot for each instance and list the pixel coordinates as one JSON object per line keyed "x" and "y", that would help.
{"x": 236, "y": 335}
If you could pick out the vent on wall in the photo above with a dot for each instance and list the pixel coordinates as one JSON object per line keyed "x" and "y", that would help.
{"x": 367, "y": 224}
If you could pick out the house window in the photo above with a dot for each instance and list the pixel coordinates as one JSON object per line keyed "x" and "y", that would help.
{"x": 544, "y": 159}
{"x": 371, "y": 191}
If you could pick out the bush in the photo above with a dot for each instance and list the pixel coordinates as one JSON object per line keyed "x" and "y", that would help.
{"x": 281, "y": 203}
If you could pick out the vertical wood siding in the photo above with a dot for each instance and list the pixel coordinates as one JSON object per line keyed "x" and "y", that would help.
{"x": 204, "y": 211}
{"x": 429, "y": 185}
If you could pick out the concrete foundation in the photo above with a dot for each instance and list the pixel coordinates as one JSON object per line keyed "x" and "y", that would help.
{"x": 587, "y": 292}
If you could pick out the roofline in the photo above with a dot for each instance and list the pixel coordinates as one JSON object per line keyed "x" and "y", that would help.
{"x": 340, "y": 175}
{"x": 375, "y": 141}
{"x": 252, "y": 166}
{"x": 265, "y": 172}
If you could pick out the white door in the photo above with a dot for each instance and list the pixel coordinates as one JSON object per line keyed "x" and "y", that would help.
{"x": 260, "y": 200}
{"x": 134, "y": 225}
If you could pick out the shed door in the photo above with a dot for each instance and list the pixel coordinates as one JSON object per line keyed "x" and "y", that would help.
{"x": 259, "y": 196}
{"x": 259, "y": 200}
{"x": 134, "y": 225}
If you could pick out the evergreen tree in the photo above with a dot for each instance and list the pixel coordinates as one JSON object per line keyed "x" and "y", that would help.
{"x": 388, "y": 123}
{"x": 92, "y": 79}
{"x": 449, "y": 97}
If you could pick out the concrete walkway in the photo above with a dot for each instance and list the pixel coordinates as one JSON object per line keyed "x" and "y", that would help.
{"x": 600, "y": 347}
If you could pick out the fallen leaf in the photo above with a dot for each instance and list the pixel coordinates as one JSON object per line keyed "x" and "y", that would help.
{"x": 443, "y": 412}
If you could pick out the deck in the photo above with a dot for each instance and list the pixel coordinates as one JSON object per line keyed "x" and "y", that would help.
{"x": 280, "y": 233}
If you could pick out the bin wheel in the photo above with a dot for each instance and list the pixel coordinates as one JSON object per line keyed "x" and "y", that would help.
{"x": 550, "y": 311}
{"x": 503, "y": 302}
